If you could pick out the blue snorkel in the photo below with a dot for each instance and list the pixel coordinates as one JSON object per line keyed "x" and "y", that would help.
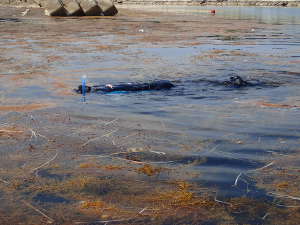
{"x": 83, "y": 83}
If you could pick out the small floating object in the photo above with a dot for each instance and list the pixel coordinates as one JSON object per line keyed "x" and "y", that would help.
{"x": 24, "y": 13}
{"x": 213, "y": 11}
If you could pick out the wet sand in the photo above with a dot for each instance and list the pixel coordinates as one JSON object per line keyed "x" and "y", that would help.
{"x": 64, "y": 161}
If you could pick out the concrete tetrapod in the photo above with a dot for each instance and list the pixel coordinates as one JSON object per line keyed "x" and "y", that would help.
{"x": 91, "y": 7}
{"x": 73, "y": 8}
{"x": 54, "y": 8}
{"x": 108, "y": 8}
{"x": 79, "y": 8}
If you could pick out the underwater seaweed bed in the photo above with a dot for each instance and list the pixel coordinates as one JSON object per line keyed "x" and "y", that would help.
{"x": 100, "y": 186}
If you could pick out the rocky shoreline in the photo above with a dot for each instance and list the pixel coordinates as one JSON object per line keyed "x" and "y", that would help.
{"x": 21, "y": 3}
{"x": 270, "y": 3}
{"x": 67, "y": 7}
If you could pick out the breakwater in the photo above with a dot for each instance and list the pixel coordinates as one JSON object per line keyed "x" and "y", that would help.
{"x": 274, "y": 3}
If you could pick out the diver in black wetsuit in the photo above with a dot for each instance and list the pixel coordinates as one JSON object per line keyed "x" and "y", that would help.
{"x": 233, "y": 82}
{"x": 155, "y": 85}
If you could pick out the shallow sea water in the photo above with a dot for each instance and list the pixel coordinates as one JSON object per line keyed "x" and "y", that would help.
{"x": 220, "y": 138}
{"x": 221, "y": 114}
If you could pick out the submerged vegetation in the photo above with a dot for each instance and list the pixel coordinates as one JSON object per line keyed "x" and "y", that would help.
{"x": 149, "y": 170}
{"x": 200, "y": 154}
{"x": 106, "y": 188}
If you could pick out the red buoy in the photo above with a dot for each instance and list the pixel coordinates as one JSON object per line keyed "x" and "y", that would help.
{"x": 213, "y": 11}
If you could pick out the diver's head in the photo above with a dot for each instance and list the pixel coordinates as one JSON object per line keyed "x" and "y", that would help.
{"x": 87, "y": 89}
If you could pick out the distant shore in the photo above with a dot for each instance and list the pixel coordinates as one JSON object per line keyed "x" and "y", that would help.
{"x": 140, "y": 3}
{"x": 270, "y": 3}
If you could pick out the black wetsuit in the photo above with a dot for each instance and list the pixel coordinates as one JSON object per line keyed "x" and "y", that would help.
{"x": 233, "y": 82}
{"x": 155, "y": 85}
